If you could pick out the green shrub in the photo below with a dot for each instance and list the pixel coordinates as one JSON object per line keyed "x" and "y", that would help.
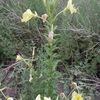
{"x": 14, "y": 35}
{"x": 78, "y": 44}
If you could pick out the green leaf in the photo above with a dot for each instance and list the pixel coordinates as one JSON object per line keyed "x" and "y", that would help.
{"x": 55, "y": 48}
{"x": 47, "y": 62}
{"x": 98, "y": 58}
{"x": 56, "y": 55}
{"x": 48, "y": 50}
{"x": 55, "y": 63}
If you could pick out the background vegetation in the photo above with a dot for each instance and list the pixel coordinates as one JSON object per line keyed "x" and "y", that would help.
{"x": 79, "y": 47}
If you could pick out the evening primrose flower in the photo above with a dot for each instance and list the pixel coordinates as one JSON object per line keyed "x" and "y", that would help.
{"x": 45, "y": 98}
{"x": 28, "y": 15}
{"x": 44, "y": 17}
{"x": 70, "y": 7}
{"x": 10, "y": 98}
{"x": 19, "y": 58}
{"x": 76, "y": 96}
{"x": 38, "y": 97}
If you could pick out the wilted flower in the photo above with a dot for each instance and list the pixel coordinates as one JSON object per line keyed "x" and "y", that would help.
{"x": 62, "y": 95}
{"x": 38, "y": 97}
{"x": 45, "y": 98}
{"x": 28, "y": 15}
{"x": 51, "y": 35}
{"x": 70, "y": 7}
{"x": 76, "y": 96}
{"x": 74, "y": 84}
{"x": 10, "y": 98}
{"x": 31, "y": 78}
{"x": 18, "y": 58}
{"x": 44, "y": 17}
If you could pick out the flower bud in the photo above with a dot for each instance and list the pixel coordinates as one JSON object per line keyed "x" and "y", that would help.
{"x": 44, "y": 1}
{"x": 51, "y": 36}
{"x": 31, "y": 78}
{"x": 33, "y": 52}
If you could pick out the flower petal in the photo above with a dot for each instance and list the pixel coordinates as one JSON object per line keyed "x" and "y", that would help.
{"x": 18, "y": 58}
{"x": 45, "y": 98}
{"x": 76, "y": 96}
{"x": 70, "y": 7}
{"x": 38, "y": 97}
{"x": 10, "y": 98}
{"x": 27, "y": 15}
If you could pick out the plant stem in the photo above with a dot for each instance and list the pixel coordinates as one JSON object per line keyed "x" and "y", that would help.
{"x": 58, "y": 14}
{"x": 51, "y": 70}
{"x": 3, "y": 94}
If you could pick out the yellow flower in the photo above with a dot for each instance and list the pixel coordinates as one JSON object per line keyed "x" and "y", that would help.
{"x": 10, "y": 98}
{"x": 28, "y": 15}
{"x": 38, "y": 97}
{"x": 45, "y": 98}
{"x": 19, "y": 58}
{"x": 76, "y": 96}
{"x": 70, "y": 7}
